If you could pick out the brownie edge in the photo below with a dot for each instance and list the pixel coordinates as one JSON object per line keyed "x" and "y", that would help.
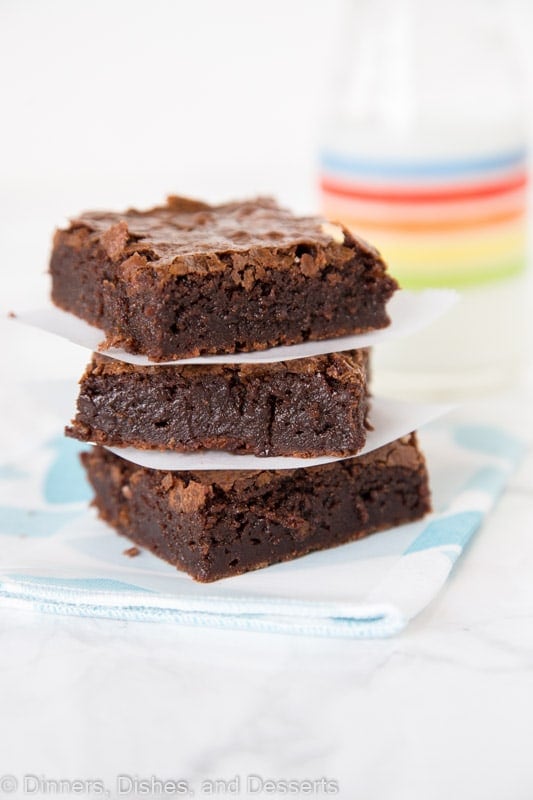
{"x": 306, "y": 407}
{"x": 187, "y": 279}
{"x": 217, "y": 524}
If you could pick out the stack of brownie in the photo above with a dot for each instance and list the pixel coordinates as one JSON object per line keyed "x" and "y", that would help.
{"x": 188, "y": 279}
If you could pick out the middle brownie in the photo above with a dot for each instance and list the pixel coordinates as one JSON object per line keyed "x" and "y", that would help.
{"x": 306, "y": 407}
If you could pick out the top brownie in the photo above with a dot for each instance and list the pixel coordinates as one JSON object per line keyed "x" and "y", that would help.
{"x": 188, "y": 279}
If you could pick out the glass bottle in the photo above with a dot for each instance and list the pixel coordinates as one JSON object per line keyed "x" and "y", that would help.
{"x": 424, "y": 154}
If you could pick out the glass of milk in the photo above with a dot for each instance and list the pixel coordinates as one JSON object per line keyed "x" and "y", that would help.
{"x": 424, "y": 154}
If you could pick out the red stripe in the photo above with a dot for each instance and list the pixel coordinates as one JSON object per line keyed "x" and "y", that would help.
{"x": 475, "y": 190}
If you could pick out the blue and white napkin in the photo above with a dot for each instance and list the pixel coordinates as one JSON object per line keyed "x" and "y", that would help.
{"x": 57, "y": 557}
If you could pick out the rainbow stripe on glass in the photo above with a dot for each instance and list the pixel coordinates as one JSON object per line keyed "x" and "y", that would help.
{"x": 438, "y": 222}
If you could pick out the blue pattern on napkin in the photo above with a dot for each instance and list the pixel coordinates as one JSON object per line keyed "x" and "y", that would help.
{"x": 11, "y": 472}
{"x": 65, "y": 480}
{"x": 450, "y": 531}
{"x": 489, "y": 440}
{"x": 39, "y": 522}
{"x": 78, "y": 584}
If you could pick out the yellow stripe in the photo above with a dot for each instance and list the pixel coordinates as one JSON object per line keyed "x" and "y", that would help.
{"x": 425, "y": 255}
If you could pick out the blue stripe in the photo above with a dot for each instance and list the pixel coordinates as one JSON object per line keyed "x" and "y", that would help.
{"x": 65, "y": 480}
{"x": 354, "y": 627}
{"x": 453, "y": 530}
{"x": 410, "y": 169}
{"x": 34, "y": 522}
{"x": 76, "y": 584}
{"x": 490, "y": 480}
{"x": 489, "y": 440}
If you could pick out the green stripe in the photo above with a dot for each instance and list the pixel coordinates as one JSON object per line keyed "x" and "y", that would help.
{"x": 457, "y": 278}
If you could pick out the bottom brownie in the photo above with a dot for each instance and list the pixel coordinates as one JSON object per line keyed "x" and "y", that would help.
{"x": 215, "y": 524}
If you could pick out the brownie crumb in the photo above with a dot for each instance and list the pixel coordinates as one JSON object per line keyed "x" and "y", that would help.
{"x": 131, "y": 552}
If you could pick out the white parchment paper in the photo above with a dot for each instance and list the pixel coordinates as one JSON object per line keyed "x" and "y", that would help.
{"x": 409, "y": 313}
{"x": 391, "y": 419}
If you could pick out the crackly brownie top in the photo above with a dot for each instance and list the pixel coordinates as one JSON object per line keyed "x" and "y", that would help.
{"x": 184, "y": 234}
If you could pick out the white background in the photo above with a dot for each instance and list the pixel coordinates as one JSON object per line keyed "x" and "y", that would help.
{"x": 119, "y": 103}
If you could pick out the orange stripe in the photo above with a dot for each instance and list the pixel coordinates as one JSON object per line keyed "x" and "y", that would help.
{"x": 420, "y": 195}
{"x": 428, "y": 226}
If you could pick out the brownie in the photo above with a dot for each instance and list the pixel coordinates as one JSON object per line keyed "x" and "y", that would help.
{"x": 216, "y": 524}
{"x": 187, "y": 278}
{"x": 306, "y": 407}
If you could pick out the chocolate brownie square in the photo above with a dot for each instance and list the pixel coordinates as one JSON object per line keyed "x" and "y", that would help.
{"x": 188, "y": 279}
{"x": 307, "y": 407}
{"x": 216, "y": 524}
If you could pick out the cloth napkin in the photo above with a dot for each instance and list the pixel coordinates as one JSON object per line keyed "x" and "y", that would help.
{"x": 57, "y": 557}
